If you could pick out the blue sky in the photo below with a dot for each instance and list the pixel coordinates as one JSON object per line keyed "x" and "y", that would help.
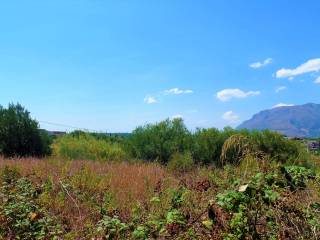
{"x": 114, "y": 65}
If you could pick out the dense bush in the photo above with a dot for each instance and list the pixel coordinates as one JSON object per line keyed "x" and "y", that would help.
{"x": 276, "y": 146}
{"x": 181, "y": 162}
{"x": 19, "y": 133}
{"x": 207, "y": 144}
{"x": 87, "y": 147}
{"x": 159, "y": 141}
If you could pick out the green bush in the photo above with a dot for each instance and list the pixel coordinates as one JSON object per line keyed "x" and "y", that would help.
{"x": 207, "y": 144}
{"x": 181, "y": 162}
{"x": 20, "y": 135}
{"x": 276, "y": 146}
{"x": 87, "y": 147}
{"x": 159, "y": 141}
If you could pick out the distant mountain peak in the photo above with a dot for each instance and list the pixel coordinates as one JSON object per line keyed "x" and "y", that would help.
{"x": 297, "y": 121}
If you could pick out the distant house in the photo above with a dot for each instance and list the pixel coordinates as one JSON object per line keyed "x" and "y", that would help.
{"x": 295, "y": 138}
{"x": 55, "y": 133}
{"x": 313, "y": 145}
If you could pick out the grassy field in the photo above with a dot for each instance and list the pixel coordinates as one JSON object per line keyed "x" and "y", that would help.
{"x": 161, "y": 182}
{"x": 59, "y": 199}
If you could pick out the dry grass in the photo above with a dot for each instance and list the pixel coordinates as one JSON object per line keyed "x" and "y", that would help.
{"x": 122, "y": 179}
{"x": 79, "y": 190}
{"x": 88, "y": 182}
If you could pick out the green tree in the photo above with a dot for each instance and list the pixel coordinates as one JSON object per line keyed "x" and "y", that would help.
{"x": 19, "y": 133}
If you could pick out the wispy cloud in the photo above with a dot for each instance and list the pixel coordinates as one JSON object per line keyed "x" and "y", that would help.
{"x": 280, "y": 88}
{"x": 317, "y": 81}
{"x": 264, "y": 63}
{"x": 150, "y": 100}
{"x": 227, "y": 94}
{"x": 231, "y": 117}
{"x": 283, "y": 105}
{"x": 177, "y": 91}
{"x": 312, "y": 65}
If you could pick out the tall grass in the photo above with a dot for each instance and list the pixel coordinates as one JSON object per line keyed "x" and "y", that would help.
{"x": 87, "y": 147}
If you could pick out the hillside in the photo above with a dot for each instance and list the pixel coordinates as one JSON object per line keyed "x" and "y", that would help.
{"x": 300, "y": 120}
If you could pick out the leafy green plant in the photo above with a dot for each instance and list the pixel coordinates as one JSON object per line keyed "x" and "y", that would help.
{"x": 112, "y": 228}
{"x": 297, "y": 175}
{"x": 21, "y": 216}
{"x": 248, "y": 204}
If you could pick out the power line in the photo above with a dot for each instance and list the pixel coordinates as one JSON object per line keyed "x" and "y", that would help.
{"x": 67, "y": 126}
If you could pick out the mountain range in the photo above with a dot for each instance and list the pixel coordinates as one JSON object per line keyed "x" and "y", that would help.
{"x": 292, "y": 121}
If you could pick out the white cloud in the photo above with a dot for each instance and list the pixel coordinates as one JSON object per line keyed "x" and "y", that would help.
{"x": 312, "y": 65}
{"x": 282, "y": 105}
{"x": 150, "y": 100}
{"x": 177, "y": 91}
{"x": 261, "y": 64}
{"x": 177, "y": 116}
{"x": 317, "y": 81}
{"x": 281, "y": 88}
{"x": 227, "y": 94}
{"x": 231, "y": 117}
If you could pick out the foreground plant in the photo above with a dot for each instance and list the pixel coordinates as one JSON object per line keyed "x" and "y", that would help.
{"x": 20, "y": 215}
{"x": 262, "y": 208}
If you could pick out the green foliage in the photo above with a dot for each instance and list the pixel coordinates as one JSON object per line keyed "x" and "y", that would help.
{"x": 211, "y": 146}
{"x": 297, "y": 175}
{"x": 87, "y": 147}
{"x": 19, "y": 133}
{"x": 275, "y": 146}
{"x": 207, "y": 144}
{"x": 141, "y": 232}
{"x": 181, "y": 162}
{"x": 231, "y": 200}
{"x": 21, "y": 217}
{"x": 112, "y": 228}
{"x": 112, "y": 138}
{"x": 159, "y": 141}
{"x": 165, "y": 224}
{"x": 247, "y": 205}
{"x": 258, "y": 201}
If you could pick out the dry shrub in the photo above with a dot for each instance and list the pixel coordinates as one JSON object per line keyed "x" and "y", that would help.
{"x": 234, "y": 149}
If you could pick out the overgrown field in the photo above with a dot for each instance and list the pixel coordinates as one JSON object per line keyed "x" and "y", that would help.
{"x": 59, "y": 199}
{"x": 163, "y": 181}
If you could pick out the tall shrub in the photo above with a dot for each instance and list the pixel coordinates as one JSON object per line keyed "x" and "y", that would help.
{"x": 207, "y": 144}
{"x": 276, "y": 146}
{"x": 159, "y": 141}
{"x": 19, "y": 133}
